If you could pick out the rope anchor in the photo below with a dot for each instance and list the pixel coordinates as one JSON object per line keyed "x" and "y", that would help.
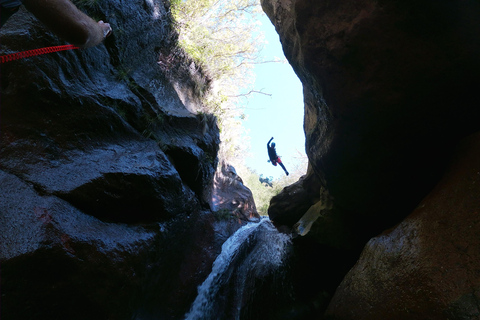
{"x": 35, "y": 52}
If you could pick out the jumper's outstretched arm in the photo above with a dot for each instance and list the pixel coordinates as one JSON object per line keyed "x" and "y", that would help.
{"x": 268, "y": 143}
{"x": 68, "y": 22}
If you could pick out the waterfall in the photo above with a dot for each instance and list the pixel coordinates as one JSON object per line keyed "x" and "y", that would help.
{"x": 253, "y": 252}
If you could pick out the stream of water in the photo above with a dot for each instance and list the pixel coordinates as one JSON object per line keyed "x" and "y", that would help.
{"x": 254, "y": 251}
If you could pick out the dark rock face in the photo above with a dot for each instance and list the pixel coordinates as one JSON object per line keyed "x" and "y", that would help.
{"x": 382, "y": 82}
{"x": 390, "y": 89}
{"x": 427, "y": 266}
{"x": 58, "y": 262}
{"x": 106, "y": 172}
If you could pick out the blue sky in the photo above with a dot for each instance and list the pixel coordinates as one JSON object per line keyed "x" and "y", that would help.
{"x": 279, "y": 115}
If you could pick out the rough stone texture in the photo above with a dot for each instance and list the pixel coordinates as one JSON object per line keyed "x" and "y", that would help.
{"x": 106, "y": 172}
{"x": 428, "y": 266}
{"x": 288, "y": 207}
{"x": 59, "y": 263}
{"x": 390, "y": 88}
{"x": 383, "y": 80}
{"x": 232, "y": 196}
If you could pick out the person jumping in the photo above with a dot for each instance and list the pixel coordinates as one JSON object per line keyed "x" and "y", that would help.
{"x": 274, "y": 158}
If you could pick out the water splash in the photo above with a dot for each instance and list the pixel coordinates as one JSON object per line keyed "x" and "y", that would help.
{"x": 253, "y": 251}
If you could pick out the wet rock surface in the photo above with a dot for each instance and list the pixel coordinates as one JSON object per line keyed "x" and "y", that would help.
{"x": 106, "y": 172}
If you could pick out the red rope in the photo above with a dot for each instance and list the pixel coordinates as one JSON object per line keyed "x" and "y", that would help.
{"x": 35, "y": 52}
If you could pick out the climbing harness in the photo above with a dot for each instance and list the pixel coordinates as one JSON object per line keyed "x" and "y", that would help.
{"x": 35, "y": 52}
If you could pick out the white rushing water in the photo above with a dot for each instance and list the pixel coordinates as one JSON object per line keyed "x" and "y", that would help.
{"x": 265, "y": 254}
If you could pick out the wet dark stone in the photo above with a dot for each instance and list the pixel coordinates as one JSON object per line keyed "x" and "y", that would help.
{"x": 98, "y": 218}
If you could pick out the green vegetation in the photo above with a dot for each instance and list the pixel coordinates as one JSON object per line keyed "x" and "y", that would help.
{"x": 219, "y": 35}
{"x": 223, "y": 215}
{"x": 151, "y": 123}
{"x": 222, "y": 37}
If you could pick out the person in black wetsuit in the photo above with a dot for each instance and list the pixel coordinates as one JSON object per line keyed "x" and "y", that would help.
{"x": 274, "y": 158}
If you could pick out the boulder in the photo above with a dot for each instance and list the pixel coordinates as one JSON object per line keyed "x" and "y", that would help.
{"x": 58, "y": 262}
{"x": 231, "y": 197}
{"x": 426, "y": 267}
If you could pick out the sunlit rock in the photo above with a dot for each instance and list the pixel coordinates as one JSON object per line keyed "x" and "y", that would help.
{"x": 231, "y": 196}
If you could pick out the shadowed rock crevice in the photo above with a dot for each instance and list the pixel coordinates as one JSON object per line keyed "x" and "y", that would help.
{"x": 189, "y": 168}
{"x": 130, "y": 198}
{"x": 426, "y": 266}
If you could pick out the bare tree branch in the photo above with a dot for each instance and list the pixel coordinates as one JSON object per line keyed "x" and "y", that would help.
{"x": 250, "y": 92}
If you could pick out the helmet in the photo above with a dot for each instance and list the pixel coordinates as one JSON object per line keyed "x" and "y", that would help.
{"x": 273, "y": 144}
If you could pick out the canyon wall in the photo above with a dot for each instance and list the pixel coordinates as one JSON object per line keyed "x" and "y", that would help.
{"x": 390, "y": 91}
{"x": 106, "y": 172}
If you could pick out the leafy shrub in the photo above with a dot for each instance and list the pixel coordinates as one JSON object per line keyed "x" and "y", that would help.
{"x": 223, "y": 39}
